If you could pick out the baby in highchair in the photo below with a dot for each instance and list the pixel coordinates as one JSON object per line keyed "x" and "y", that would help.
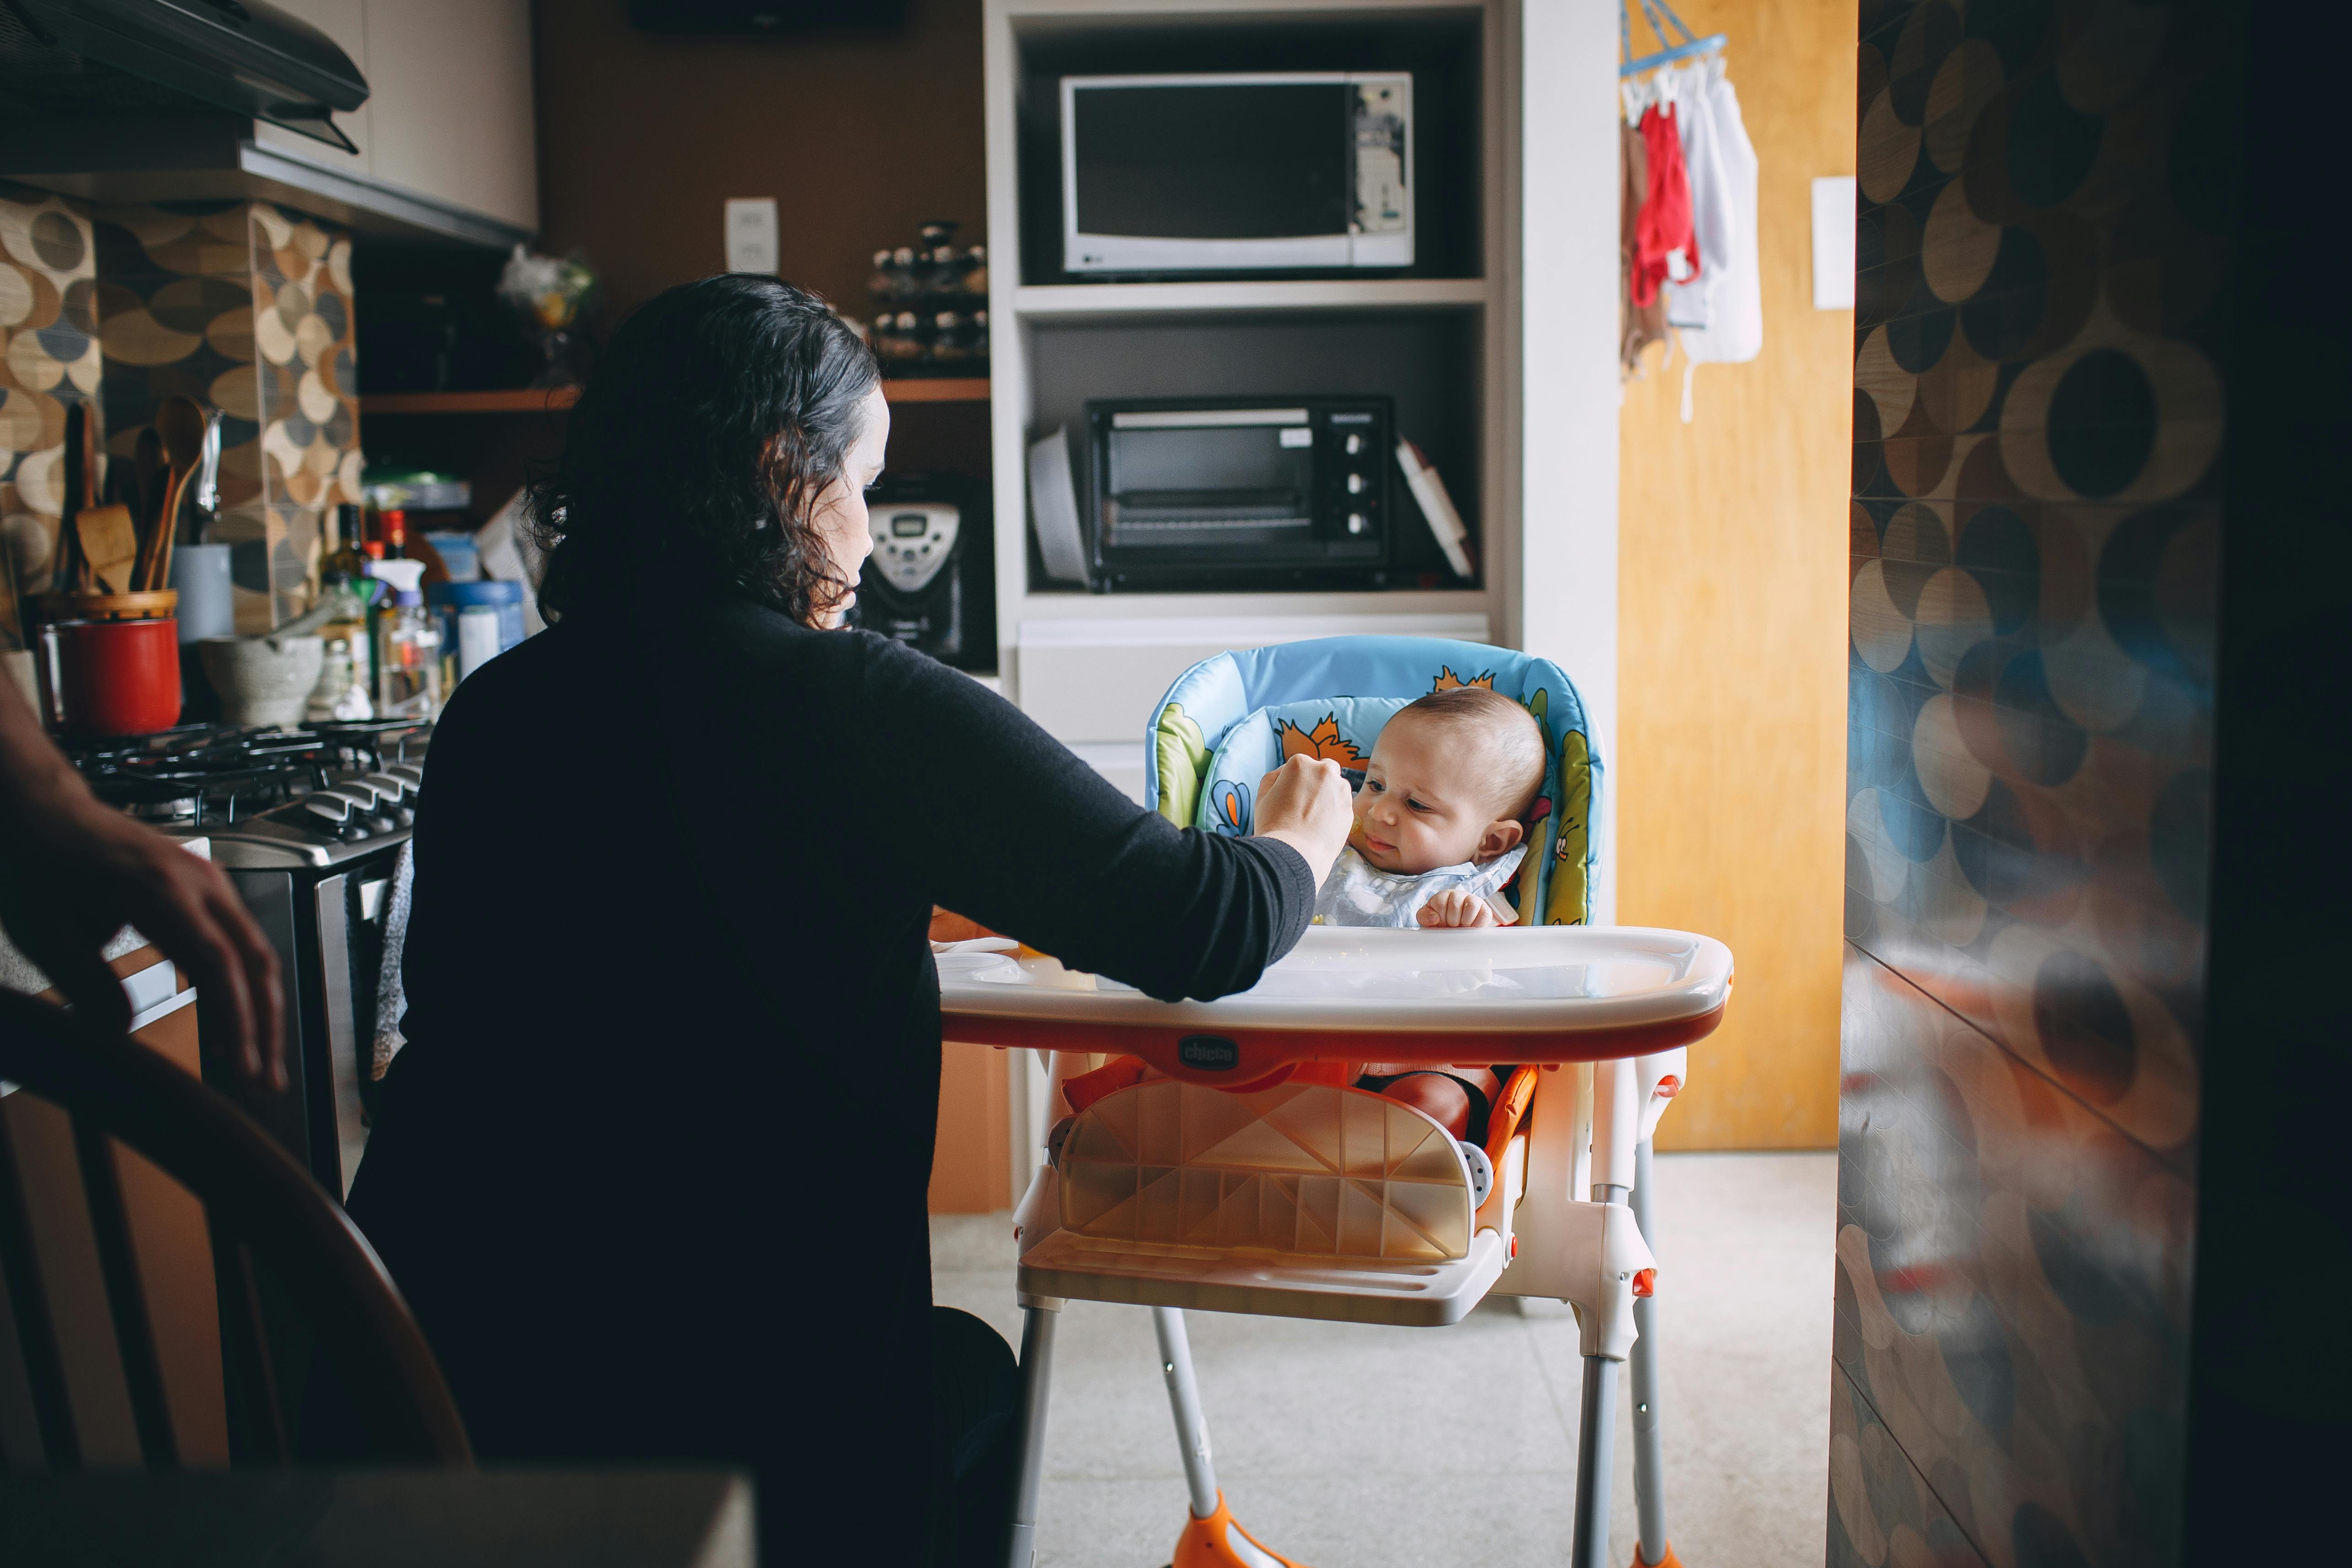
{"x": 1440, "y": 825}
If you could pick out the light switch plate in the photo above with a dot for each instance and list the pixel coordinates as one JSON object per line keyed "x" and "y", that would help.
{"x": 1834, "y": 242}
{"x": 751, "y": 234}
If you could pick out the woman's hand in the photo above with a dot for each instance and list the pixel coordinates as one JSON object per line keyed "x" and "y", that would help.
{"x": 1307, "y": 804}
{"x": 1456, "y": 910}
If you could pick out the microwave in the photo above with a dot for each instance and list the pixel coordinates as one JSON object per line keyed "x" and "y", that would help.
{"x": 1244, "y": 172}
{"x": 1210, "y": 494}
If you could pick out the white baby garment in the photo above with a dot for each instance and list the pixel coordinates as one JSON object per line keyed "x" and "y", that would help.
{"x": 1358, "y": 893}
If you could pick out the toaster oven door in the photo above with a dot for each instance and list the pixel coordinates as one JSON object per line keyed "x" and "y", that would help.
{"x": 1224, "y": 483}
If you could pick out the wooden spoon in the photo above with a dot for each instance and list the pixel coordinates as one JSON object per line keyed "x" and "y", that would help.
{"x": 159, "y": 572}
{"x": 180, "y": 420}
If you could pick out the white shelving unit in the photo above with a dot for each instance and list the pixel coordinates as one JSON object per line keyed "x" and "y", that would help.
{"x": 1115, "y": 301}
{"x": 1092, "y": 657}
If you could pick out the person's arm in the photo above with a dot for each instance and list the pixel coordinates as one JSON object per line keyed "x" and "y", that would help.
{"x": 74, "y": 870}
{"x": 1002, "y": 824}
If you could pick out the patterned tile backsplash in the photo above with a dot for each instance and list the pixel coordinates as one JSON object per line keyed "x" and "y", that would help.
{"x": 243, "y": 306}
{"x": 2038, "y": 424}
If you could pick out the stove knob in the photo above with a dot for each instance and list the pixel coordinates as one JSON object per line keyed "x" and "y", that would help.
{"x": 410, "y": 775}
{"x": 352, "y": 833}
{"x": 332, "y": 810}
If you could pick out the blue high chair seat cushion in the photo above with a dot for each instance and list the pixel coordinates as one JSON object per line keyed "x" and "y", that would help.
{"x": 1231, "y": 719}
{"x": 1341, "y": 729}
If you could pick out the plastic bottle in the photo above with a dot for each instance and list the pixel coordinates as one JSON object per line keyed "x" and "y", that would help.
{"x": 407, "y": 645}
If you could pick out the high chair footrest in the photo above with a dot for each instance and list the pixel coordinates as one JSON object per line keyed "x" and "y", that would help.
{"x": 1354, "y": 1290}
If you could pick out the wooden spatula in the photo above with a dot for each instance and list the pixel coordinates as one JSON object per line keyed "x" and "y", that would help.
{"x": 109, "y": 540}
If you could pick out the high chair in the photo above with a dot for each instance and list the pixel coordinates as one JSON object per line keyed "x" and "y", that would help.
{"x": 1246, "y": 1176}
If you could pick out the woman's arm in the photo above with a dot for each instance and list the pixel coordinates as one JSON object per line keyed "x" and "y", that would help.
{"x": 1005, "y": 826}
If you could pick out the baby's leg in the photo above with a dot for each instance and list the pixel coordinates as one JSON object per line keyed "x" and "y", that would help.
{"x": 1439, "y": 1098}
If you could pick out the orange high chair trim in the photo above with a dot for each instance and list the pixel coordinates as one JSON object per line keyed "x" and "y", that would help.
{"x": 1209, "y": 1543}
{"x": 1510, "y": 1109}
{"x": 1668, "y": 1561}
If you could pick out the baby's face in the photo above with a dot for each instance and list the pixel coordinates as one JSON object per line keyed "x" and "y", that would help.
{"x": 1424, "y": 804}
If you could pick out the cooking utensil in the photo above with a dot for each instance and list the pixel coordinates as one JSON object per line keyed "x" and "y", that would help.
{"x": 208, "y": 476}
{"x": 166, "y": 538}
{"x": 149, "y": 470}
{"x": 180, "y": 420}
{"x": 65, "y": 571}
{"x": 110, "y": 544}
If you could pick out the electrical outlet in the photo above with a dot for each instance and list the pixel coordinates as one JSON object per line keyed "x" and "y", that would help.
{"x": 751, "y": 234}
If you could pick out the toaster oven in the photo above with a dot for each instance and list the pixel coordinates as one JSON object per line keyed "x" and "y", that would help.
{"x": 1208, "y": 495}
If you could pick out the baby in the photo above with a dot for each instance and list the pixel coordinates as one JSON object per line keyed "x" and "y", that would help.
{"x": 1439, "y": 825}
{"x": 1440, "y": 818}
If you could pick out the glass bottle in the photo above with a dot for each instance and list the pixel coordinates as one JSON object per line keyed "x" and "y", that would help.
{"x": 407, "y": 646}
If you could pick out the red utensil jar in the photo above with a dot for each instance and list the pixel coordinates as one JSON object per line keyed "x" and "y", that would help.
{"x": 119, "y": 678}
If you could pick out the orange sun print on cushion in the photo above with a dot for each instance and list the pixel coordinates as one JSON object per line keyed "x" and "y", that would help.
{"x": 1323, "y": 741}
{"x": 1448, "y": 681}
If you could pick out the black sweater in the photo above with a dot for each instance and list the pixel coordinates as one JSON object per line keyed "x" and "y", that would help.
{"x": 652, "y": 1168}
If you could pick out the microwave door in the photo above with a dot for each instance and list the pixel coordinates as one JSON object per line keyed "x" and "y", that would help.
{"x": 1211, "y": 487}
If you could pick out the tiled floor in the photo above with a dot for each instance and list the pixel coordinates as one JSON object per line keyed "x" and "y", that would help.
{"x": 1349, "y": 1447}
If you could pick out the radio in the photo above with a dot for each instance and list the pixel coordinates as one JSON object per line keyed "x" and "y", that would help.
{"x": 1239, "y": 493}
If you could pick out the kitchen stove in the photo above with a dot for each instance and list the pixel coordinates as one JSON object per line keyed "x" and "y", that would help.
{"x": 313, "y": 797}
{"x": 308, "y": 825}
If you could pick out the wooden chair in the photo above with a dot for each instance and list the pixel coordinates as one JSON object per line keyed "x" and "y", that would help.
{"x": 91, "y": 1116}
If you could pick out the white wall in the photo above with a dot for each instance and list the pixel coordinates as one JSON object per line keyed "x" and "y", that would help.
{"x": 1567, "y": 585}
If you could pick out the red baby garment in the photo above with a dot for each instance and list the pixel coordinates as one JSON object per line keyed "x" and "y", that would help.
{"x": 1665, "y": 226}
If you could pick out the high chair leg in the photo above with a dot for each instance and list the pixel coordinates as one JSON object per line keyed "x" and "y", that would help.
{"x": 1038, "y": 1318}
{"x": 1649, "y": 1460}
{"x": 1184, "y": 1403}
{"x": 1596, "y": 1441}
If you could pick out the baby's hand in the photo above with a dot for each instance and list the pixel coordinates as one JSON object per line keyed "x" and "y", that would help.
{"x": 1455, "y": 908}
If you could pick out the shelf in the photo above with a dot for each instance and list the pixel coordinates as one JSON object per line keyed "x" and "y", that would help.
{"x": 525, "y": 400}
{"x": 514, "y": 400}
{"x": 1099, "y": 300}
{"x": 936, "y": 389}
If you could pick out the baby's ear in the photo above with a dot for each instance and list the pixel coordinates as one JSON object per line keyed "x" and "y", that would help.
{"x": 1499, "y": 838}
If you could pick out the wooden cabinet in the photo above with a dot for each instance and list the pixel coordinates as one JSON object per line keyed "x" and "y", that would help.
{"x": 449, "y": 116}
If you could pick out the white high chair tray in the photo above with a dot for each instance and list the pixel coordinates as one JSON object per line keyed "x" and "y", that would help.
{"x": 1551, "y": 993}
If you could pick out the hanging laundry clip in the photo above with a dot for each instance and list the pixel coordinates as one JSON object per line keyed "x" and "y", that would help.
{"x": 1661, "y": 16}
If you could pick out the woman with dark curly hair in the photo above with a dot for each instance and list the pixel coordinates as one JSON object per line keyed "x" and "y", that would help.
{"x": 652, "y": 1168}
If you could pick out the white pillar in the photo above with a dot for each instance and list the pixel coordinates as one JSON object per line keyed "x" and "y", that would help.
{"x": 1565, "y": 596}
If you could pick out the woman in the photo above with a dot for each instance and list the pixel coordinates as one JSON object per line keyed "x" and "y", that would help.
{"x": 652, "y": 1168}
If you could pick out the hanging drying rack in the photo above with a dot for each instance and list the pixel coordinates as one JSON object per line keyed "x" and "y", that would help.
{"x": 1660, "y": 16}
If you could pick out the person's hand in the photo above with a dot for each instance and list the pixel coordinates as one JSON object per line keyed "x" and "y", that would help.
{"x": 74, "y": 870}
{"x": 1305, "y": 803}
{"x": 1456, "y": 909}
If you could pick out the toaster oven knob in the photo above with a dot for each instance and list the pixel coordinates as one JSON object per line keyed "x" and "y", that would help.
{"x": 1355, "y": 522}
{"x": 1355, "y": 444}
{"x": 1355, "y": 484}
